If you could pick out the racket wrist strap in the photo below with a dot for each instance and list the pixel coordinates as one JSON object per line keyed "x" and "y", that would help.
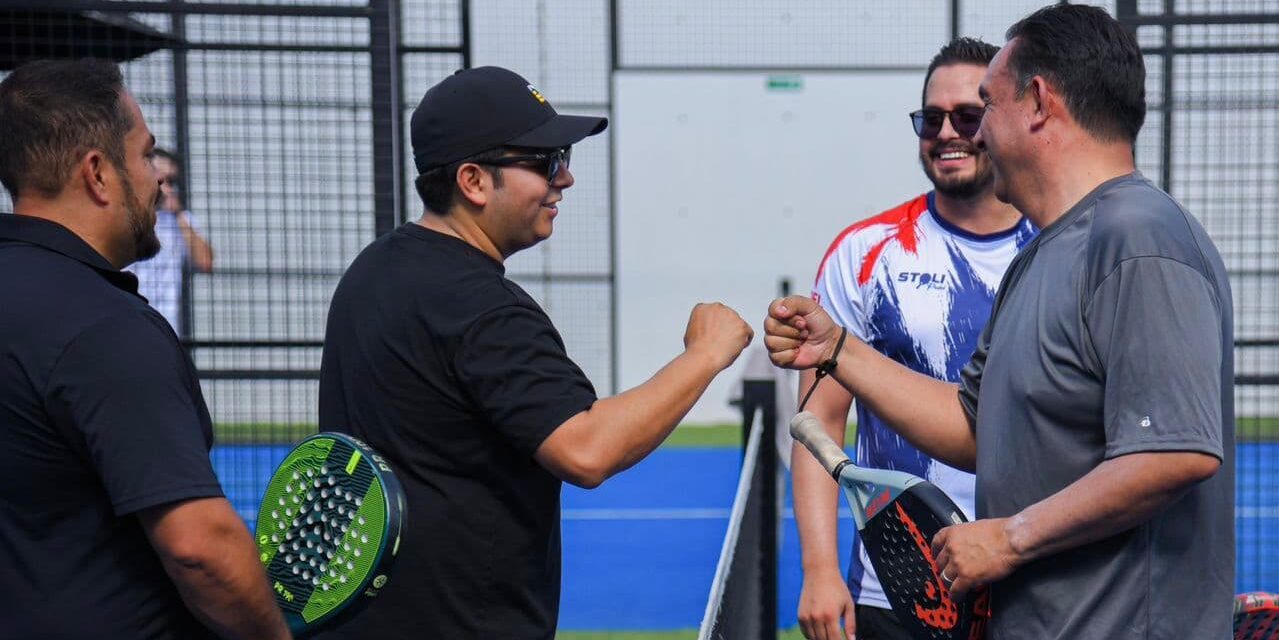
{"x": 826, "y": 366}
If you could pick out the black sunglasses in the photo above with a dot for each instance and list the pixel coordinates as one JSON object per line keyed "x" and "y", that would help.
{"x": 548, "y": 164}
{"x": 964, "y": 120}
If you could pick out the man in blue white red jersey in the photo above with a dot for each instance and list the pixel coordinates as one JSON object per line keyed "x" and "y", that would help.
{"x": 916, "y": 282}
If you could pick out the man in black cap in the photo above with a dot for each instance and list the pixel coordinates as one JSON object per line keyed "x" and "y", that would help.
{"x": 459, "y": 378}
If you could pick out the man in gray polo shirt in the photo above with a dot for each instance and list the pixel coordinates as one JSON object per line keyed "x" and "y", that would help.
{"x": 1098, "y": 409}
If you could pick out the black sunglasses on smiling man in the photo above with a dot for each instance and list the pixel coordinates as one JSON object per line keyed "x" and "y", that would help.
{"x": 964, "y": 120}
{"x": 548, "y": 163}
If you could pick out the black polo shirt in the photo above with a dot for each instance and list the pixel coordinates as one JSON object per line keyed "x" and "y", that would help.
{"x": 456, "y": 375}
{"x": 100, "y": 416}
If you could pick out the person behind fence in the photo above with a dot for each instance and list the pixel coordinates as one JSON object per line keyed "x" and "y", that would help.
{"x": 112, "y": 522}
{"x": 449, "y": 368}
{"x": 1097, "y": 408}
{"x": 162, "y": 278}
{"x": 917, "y": 283}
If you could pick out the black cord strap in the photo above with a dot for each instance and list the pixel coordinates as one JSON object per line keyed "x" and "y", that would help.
{"x": 826, "y": 366}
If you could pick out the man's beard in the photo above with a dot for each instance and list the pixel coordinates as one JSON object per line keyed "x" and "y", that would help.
{"x": 145, "y": 243}
{"x": 960, "y": 187}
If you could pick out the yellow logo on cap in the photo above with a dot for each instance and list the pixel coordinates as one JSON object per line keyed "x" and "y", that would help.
{"x": 537, "y": 94}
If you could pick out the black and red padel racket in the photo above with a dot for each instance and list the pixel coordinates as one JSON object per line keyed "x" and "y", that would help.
{"x": 897, "y": 515}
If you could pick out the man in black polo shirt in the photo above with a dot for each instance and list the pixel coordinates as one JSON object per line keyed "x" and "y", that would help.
{"x": 457, "y": 376}
{"x": 112, "y": 524}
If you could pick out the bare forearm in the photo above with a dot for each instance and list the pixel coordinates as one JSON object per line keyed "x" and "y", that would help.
{"x": 227, "y": 591}
{"x": 199, "y": 252}
{"x": 816, "y": 495}
{"x": 1115, "y": 496}
{"x": 617, "y": 432}
{"x": 644, "y": 416}
{"x": 924, "y": 410}
{"x": 816, "y": 511}
{"x": 211, "y": 558}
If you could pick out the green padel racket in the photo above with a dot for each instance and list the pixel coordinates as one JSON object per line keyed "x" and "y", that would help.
{"x": 328, "y": 528}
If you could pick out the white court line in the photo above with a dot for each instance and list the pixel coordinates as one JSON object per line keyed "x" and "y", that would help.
{"x": 645, "y": 514}
{"x": 1241, "y": 513}
{"x": 664, "y": 514}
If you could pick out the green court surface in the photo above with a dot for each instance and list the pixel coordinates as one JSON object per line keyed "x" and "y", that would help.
{"x": 686, "y": 435}
{"x": 261, "y": 432}
{"x": 714, "y": 435}
{"x": 1257, "y": 429}
{"x": 719, "y": 435}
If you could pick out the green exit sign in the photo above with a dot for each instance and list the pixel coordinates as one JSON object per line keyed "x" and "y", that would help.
{"x": 785, "y": 83}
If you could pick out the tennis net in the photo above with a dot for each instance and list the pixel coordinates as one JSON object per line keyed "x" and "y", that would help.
{"x": 743, "y": 597}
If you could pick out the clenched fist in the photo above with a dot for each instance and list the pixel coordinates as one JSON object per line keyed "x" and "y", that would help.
{"x": 798, "y": 333}
{"x": 717, "y": 330}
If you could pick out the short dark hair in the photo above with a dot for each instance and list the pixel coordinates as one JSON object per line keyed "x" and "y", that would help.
{"x": 438, "y": 187}
{"x": 1091, "y": 59}
{"x": 52, "y": 112}
{"x": 960, "y": 51}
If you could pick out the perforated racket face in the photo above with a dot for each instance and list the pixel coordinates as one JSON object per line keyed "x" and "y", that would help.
{"x": 899, "y": 539}
{"x": 327, "y": 528}
{"x": 1256, "y": 616}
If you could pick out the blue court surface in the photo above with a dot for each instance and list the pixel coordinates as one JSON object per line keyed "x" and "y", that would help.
{"x": 640, "y": 551}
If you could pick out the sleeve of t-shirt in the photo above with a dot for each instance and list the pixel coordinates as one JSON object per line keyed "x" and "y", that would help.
{"x": 837, "y": 292}
{"x": 970, "y": 375}
{"x": 124, "y": 386}
{"x": 513, "y": 364}
{"x": 1155, "y": 325}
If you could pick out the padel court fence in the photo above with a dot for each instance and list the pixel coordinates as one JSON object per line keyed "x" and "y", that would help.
{"x": 1212, "y": 140}
{"x": 290, "y": 120}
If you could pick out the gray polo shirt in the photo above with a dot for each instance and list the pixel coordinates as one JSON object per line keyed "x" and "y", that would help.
{"x": 1111, "y": 335}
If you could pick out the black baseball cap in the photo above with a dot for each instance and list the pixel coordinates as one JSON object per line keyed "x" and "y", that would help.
{"x": 483, "y": 108}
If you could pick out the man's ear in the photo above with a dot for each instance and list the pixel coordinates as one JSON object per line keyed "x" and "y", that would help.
{"x": 1045, "y": 101}
{"x": 94, "y": 172}
{"x": 474, "y": 184}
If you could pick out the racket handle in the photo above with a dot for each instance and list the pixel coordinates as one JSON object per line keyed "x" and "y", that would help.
{"x": 806, "y": 428}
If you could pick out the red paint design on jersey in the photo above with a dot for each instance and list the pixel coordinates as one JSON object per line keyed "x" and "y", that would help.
{"x": 902, "y": 222}
{"x": 944, "y": 614}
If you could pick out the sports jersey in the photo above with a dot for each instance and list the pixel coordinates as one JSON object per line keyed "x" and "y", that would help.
{"x": 919, "y": 290}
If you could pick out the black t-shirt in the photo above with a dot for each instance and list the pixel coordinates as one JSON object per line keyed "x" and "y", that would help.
{"x": 456, "y": 375}
{"x": 101, "y": 416}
